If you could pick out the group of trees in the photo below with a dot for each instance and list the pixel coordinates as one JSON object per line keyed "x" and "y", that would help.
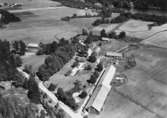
{"x": 8, "y": 63}
{"x": 66, "y": 98}
{"x": 92, "y": 58}
{"x": 7, "y": 17}
{"x": 33, "y": 90}
{"x": 126, "y": 16}
{"x": 59, "y": 55}
{"x": 93, "y": 77}
{"x": 19, "y": 47}
{"x": 16, "y": 107}
{"x": 91, "y": 38}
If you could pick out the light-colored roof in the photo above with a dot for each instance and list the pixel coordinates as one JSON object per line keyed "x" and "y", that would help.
{"x": 33, "y": 45}
{"x": 115, "y": 54}
{"x": 106, "y": 39}
{"x": 108, "y": 76}
{"x": 100, "y": 98}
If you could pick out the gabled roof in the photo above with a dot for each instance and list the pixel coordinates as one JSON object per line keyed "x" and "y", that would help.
{"x": 102, "y": 90}
{"x": 100, "y": 98}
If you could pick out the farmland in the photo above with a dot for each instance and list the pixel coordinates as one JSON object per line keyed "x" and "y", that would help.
{"x": 145, "y": 93}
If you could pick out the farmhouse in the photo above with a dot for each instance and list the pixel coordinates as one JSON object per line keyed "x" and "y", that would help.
{"x": 98, "y": 97}
{"x": 32, "y": 47}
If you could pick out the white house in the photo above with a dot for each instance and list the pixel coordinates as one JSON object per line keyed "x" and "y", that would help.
{"x": 32, "y": 47}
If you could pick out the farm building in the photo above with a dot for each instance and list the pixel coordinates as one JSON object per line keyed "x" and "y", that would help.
{"x": 114, "y": 55}
{"x": 105, "y": 39}
{"x": 32, "y": 47}
{"x": 100, "y": 93}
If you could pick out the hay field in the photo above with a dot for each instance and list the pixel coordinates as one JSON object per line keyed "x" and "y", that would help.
{"x": 145, "y": 95}
{"x": 45, "y": 26}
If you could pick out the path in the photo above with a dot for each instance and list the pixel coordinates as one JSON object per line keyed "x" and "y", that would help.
{"x": 34, "y": 9}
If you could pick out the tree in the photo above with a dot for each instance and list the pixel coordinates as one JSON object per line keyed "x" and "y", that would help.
{"x": 103, "y": 33}
{"x": 52, "y": 87}
{"x": 92, "y": 58}
{"x": 33, "y": 90}
{"x": 22, "y": 47}
{"x": 122, "y": 35}
{"x": 99, "y": 67}
{"x": 112, "y": 35}
{"x": 28, "y": 69}
{"x": 88, "y": 67}
{"x": 84, "y": 32}
{"x": 83, "y": 94}
{"x": 60, "y": 114}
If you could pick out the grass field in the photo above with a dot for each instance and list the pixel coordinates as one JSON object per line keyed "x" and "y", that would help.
{"x": 145, "y": 95}
{"x": 45, "y": 26}
{"x": 34, "y": 61}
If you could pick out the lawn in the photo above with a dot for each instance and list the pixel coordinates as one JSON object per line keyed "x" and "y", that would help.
{"x": 35, "y": 61}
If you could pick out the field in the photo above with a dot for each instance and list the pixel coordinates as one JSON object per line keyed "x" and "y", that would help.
{"x": 44, "y": 25}
{"x": 144, "y": 96}
{"x": 32, "y": 3}
{"x": 34, "y": 61}
{"x": 156, "y": 36}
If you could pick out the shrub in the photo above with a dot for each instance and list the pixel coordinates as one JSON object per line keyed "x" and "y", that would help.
{"x": 99, "y": 67}
{"x": 122, "y": 35}
{"x": 83, "y": 94}
{"x": 92, "y": 58}
{"x": 52, "y": 87}
{"x": 88, "y": 67}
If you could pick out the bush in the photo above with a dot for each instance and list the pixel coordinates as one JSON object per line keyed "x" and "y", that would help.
{"x": 52, "y": 87}
{"x": 92, "y": 58}
{"x": 75, "y": 64}
{"x": 99, "y": 67}
{"x": 88, "y": 67}
{"x": 122, "y": 35}
{"x": 83, "y": 95}
{"x": 103, "y": 33}
{"x": 93, "y": 78}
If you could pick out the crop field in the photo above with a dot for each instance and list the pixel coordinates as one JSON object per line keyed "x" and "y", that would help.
{"x": 45, "y": 25}
{"x": 32, "y": 3}
{"x": 145, "y": 95}
{"x": 156, "y": 36}
{"x": 159, "y": 40}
